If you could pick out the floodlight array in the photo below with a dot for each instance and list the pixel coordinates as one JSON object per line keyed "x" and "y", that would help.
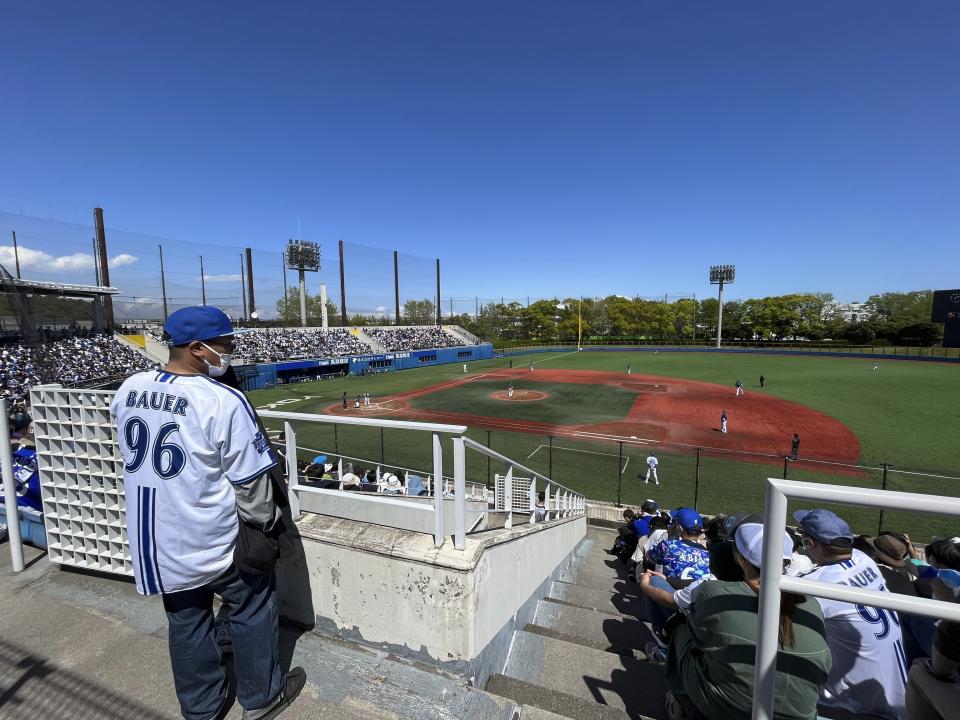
{"x": 303, "y": 255}
{"x": 722, "y": 274}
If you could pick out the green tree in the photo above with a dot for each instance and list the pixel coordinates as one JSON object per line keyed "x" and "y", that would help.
{"x": 288, "y": 310}
{"x": 419, "y": 312}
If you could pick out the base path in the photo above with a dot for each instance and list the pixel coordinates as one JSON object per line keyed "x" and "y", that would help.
{"x": 667, "y": 409}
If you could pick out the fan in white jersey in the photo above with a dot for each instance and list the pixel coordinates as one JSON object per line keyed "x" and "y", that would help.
{"x": 869, "y": 664}
{"x": 195, "y": 459}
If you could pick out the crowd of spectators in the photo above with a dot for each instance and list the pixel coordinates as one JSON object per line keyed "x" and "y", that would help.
{"x": 412, "y": 338}
{"x": 700, "y": 581}
{"x": 275, "y": 345}
{"x": 71, "y": 362}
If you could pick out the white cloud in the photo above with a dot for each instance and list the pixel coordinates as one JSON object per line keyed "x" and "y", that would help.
{"x": 44, "y": 261}
{"x": 121, "y": 260}
{"x": 221, "y": 278}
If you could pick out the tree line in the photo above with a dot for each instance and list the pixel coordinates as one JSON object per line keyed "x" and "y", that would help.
{"x": 901, "y": 318}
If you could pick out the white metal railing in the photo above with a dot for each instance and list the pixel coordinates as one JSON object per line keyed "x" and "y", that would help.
{"x": 433, "y": 428}
{"x": 10, "y": 489}
{"x": 774, "y": 582}
{"x": 559, "y": 500}
{"x": 475, "y": 490}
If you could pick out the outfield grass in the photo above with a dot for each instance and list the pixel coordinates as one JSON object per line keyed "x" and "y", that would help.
{"x": 905, "y": 415}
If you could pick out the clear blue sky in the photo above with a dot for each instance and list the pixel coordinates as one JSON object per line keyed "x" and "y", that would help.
{"x": 537, "y": 148}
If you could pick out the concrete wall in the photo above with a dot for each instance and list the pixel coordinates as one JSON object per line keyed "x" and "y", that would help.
{"x": 408, "y": 513}
{"x": 394, "y": 589}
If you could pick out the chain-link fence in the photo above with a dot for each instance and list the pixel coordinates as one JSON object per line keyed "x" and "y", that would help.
{"x": 709, "y": 479}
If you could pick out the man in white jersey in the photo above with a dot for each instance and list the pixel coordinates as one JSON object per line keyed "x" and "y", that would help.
{"x": 652, "y": 463}
{"x": 869, "y": 665}
{"x": 196, "y": 464}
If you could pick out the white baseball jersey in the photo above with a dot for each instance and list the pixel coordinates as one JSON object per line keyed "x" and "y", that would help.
{"x": 869, "y": 670}
{"x": 652, "y": 462}
{"x": 184, "y": 440}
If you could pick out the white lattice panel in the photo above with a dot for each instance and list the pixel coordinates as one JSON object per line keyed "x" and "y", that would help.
{"x": 81, "y": 478}
{"x": 521, "y": 492}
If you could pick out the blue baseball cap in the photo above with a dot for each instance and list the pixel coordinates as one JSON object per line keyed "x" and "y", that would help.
{"x": 198, "y": 322}
{"x": 320, "y": 460}
{"x": 687, "y": 518}
{"x": 824, "y": 526}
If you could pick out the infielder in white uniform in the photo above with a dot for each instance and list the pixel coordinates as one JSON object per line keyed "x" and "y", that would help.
{"x": 652, "y": 463}
{"x": 510, "y": 390}
{"x": 196, "y": 463}
{"x": 869, "y": 671}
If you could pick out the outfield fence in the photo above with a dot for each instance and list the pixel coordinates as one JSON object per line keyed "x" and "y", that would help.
{"x": 878, "y": 351}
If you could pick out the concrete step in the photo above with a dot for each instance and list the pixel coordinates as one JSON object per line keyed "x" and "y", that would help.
{"x": 633, "y": 686}
{"x": 599, "y": 630}
{"x": 617, "y": 603}
{"x": 557, "y": 704}
{"x": 602, "y": 575}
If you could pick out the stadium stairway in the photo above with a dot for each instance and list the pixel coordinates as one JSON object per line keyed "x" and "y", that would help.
{"x": 582, "y": 656}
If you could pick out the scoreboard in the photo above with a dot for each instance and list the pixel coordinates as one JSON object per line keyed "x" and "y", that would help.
{"x": 946, "y": 310}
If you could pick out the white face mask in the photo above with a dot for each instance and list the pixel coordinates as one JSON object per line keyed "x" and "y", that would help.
{"x": 221, "y": 369}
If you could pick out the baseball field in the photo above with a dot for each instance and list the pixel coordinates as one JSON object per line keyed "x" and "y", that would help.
{"x": 582, "y": 419}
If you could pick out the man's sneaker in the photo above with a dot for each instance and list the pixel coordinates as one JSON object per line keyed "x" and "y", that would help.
{"x": 655, "y": 654}
{"x": 292, "y": 685}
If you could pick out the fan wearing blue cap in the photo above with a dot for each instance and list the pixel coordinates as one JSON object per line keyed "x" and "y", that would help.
{"x": 710, "y": 663}
{"x": 683, "y": 557}
{"x": 203, "y": 518}
{"x": 869, "y": 662}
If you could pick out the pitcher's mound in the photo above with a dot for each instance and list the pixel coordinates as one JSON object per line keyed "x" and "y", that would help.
{"x": 520, "y": 395}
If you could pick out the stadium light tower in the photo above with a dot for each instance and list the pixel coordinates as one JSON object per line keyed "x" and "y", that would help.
{"x": 720, "y": 274}
{"x": 303, "y": 256}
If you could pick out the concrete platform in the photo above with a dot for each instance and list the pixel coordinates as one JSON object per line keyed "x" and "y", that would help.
{"x": 80, "y": 647}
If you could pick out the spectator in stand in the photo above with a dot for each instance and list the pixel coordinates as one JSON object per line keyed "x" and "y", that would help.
{"x": 869, "y": 664}
{"x": 933, "y": 692}
{"x": 274, "y": 345}
{"x": 918, "y": 630}
{"x": 540, "y": 507}
{"x": 682, "y": 557}
{"x": 710, "y": 666}
{"x": 415, "y": 486}
{"x": 412, "y": 338}
{"x": 72, "y": 362}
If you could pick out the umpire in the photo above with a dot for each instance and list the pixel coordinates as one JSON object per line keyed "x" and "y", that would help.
{"x": 202, "y": 519}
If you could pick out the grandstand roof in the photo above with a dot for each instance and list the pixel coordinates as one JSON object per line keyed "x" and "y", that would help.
{"x": 50, "y": 288}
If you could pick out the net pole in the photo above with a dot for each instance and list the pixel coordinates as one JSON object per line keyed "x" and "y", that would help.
{"x": 343, "y": 292}
{"x": 396, "y": 286}
{"x": 163, "y": 284}
{"x": 243, "y": 289}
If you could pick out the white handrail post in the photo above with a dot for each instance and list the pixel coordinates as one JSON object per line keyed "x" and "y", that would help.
{"x": 293, "y": 476}
{"x": 10, "y": 490}
{"x": 533, "y": 499}
{"x": 438, "y": 527}
{"x": 765, "y": 670}
{"x": 340, "y": 472}
{"x": 508, "y": 498}
{"x": 459, "y": 494}
{"x": 546, "y": 502}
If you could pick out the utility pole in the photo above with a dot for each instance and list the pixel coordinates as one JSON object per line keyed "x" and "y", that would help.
{"x": 243, "y": 289}
{"x": 16, "y": 252}
{"x": 163, "y": 284}
{"x": 251, "y": 300}
{"x": 396, "y": 287}
{"x": 203, "y": 284}
{"x": 343, "y": 292}
{"x": 438, "y": 291}
{"x": 104, "y": 265}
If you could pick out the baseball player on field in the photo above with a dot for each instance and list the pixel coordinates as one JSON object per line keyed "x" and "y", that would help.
{"x": 196, "y": 465}
{"x": 531, "y": 367}
{"x": 510, "y": 390}
{"x": 652, "y": 463}
{"x": 723, "y": 421}
{"x": 739, "y": 387}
